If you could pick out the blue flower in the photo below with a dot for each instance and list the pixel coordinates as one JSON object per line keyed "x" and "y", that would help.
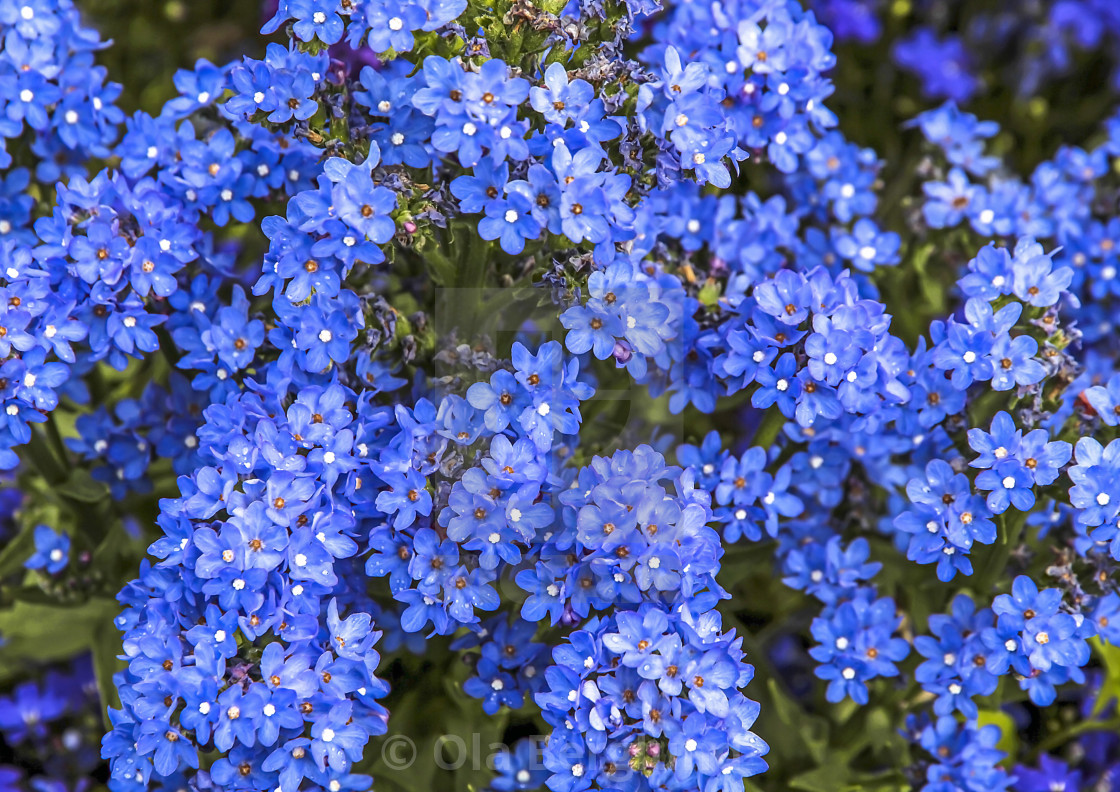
{"x": 52, "y": 551}
{"x": 1105, "y": 400}
{"x": 561, "y": 100}
{"x": 1013, "y": 363}
{"x": 867, "y": 246}
{"x": 510, "y": 221}
{"x": 948, "y": 201}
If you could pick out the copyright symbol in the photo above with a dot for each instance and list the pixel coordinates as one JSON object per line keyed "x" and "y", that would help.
{"x": 398, "y": 752}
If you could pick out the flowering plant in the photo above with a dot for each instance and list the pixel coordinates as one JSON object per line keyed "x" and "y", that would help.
{"x": 555, "y": 394}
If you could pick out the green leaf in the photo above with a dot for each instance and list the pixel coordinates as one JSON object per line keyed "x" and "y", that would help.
{"x": 709, "y": 293}
{"x": 810, "y": 730}
{"x": 17, "y": 551}
{"x": 1009, "y": 735}
{"x": 81, "y": 486}
{"x": 35, "y": 634}
{"x": 830, "y": 778}
{"x": 1110, "y": 686}
{"x": 106, "y": 646}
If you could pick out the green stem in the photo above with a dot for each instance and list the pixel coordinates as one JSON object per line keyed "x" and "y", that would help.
{"x": 1077, "y": 729}
{"x": 768, "y": 430}
{"x": 1009, "y": 538}
{"x": 42, "y": 455}
{"x": 56, "y": 441}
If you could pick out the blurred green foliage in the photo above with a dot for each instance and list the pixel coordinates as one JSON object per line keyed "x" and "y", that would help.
{"x": 154, "y": 38}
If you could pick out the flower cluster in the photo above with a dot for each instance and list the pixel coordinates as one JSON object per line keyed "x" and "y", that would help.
{"x": 650, "y": 697}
